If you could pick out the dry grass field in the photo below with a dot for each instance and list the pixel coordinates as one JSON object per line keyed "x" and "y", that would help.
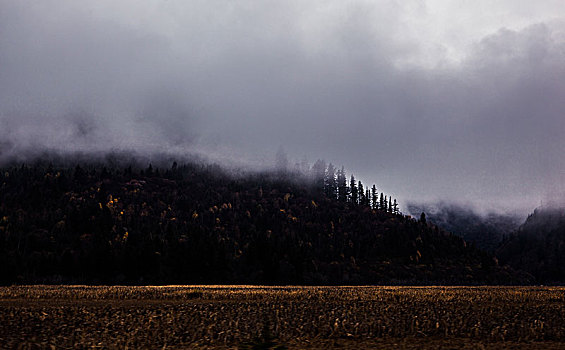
{"x": 256, "y": 317}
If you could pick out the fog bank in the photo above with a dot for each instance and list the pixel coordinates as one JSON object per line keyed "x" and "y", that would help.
{"x": 427, "y": 100}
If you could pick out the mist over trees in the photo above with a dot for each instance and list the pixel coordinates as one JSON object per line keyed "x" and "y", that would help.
{"x": 194, "y": 223}
{"x": 334, "y": 184}
{"x": 538, "y": 246}
{"x": 485, "y": 230}
{"x": 535, "y": 245}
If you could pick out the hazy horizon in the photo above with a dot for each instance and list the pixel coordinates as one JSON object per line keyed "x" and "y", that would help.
{"x": 429, "y": 100}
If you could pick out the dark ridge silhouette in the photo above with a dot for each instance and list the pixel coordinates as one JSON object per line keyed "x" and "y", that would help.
{"x": 114, "y": 221}
{"x": 486, "y": 231}
{"x": 538, "y": 246}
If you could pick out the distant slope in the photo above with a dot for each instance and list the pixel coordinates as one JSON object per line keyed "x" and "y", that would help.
{"x": 538, "y": 246}
{"x": 195, "y": 224}
{"x": 486, "y": 231}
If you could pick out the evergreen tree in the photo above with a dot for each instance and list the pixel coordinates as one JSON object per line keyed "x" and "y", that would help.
{"x": 423, "y": 218}
{"x": 374, "y": 197}
{"x": 367, "y": 197}
{"x": 353, "y": 190}
{"x": 395, "y": 207}
{"x": 339, "y": 182}
{"x": 318, "y": 174}
{"x": 382, "y": 202}
{"x": 342, "y": 188}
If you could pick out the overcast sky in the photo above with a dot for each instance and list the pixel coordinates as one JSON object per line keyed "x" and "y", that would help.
{"x": 454, "y": 100}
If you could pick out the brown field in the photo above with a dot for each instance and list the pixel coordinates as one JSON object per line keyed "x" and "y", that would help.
{"x": 175, "y": 317}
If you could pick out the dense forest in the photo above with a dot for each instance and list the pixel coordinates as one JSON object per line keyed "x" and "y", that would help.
{"x": 538, "y": 246}
{"x": 486, "y": 231}
{"x": 96, "y": 222}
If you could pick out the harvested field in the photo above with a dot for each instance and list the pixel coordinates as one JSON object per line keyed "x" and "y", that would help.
{"x": 174, "y": 317}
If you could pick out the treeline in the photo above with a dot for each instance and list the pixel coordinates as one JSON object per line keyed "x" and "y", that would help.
{"x": 486, "y": 231}
{"x": 335, "y": 185}
{"x": 538, "y": 246}
{"x": 194, "y": 223}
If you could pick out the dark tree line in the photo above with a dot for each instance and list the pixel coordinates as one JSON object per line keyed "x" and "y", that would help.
{"x": 538, "y": 246}
{"x": 193, "y": 223}
{"x": 335, "y": 185}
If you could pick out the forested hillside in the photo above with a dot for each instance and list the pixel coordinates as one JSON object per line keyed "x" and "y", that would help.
{"x": 486, "y": 231}
{"x": 538, "y": 246}
{"x": 194, "y": 223}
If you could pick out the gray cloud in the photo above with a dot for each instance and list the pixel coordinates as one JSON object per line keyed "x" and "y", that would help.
{"x": 424, "y": 110}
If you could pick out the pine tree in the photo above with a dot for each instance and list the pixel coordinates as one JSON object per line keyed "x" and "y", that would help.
{"x": 330, "y": 182}
{"x": 342, "y": 188}
{"x": 374, "y": 197}
{"x": 361, "y": 193}
{"x": 382, "y": 202}
{"x": 367, "y": 197}
{"x": 353, "y": 190}
{"x": 395, "y": 207}
{"x": 423, "y": 218}
{"x": 338, "y": 180}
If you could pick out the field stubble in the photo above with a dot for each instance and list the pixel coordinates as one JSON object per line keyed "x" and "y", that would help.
{"x": 296, "y": 317}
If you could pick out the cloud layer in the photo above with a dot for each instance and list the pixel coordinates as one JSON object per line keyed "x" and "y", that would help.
{"x": 428, "y": 100}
